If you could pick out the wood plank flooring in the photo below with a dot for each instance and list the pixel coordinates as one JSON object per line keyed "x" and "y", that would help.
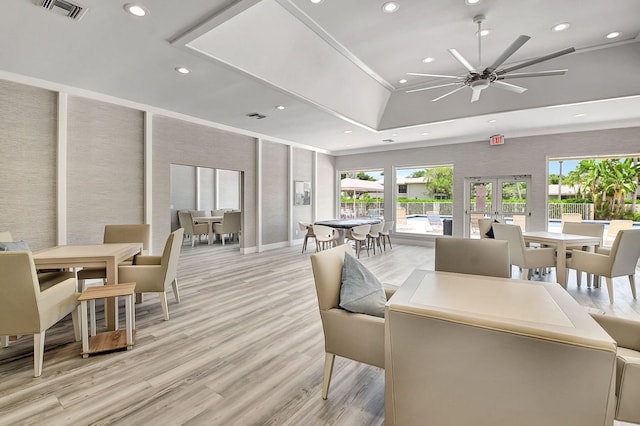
{"x": 244, "y": 347}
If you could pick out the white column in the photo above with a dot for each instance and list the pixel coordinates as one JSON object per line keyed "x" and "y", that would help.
{"x": 61, "y": 167}
{"x": 148, "y": 172}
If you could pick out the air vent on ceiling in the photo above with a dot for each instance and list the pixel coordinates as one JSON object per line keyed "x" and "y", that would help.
{"x": 256, "y": 116}
{"x": 388, "y": 140}
{"x": 64, "y": 7}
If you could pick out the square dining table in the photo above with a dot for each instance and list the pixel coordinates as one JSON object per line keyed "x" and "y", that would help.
{"x": 106, "y": 256}
{"x": 560, "y": 242}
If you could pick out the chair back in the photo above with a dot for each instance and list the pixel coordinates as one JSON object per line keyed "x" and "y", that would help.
{"x": 19, "y": 292}
{"x": 616, "y": 226}
{"x": 135, "y": 233}
{"x": 434, "y": 219}
{"x": 5, "y": 237}
{"x": 198, "y": 213}
{"x": 360, "y": 231}
{"x": 484, "y": 225}
{"x": 186, "y": 221}
{"x": 583, "y": 228}
{"x": 231, "y": 222}
{"x": 513, "y": 235}
{"x": 388, "y": 226}
{"x": 304, "y": 226}
{"x": 219, "y": 212}
{"x": 375, "y": 229}
{"x": 327, "y": 273}
{"x": 571, "y": 217}
{"x": 625, "y": 252}
{"x": 487, "y": 257}
{"x": 171, "y": 255}
{"x": 323, "y": 232}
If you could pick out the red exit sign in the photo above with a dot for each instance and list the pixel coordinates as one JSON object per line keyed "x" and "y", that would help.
{"x": 496, "y": 140}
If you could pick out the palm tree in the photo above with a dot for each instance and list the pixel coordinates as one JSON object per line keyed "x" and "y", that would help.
{"x": 620, "y": 180}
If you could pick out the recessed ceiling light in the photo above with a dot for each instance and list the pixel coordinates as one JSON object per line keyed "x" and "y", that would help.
{"x": 428, "y": 60}
{"x": 280, "y": 107}
{"x": 424, "y": 134}
{"x": 348, "y": 145}
{"x": 561, "y": 27}
{"x": 470, "y": 2}
{"x": 613, "y": 34}
{"x": 403, "y": 81}
{"x": 348, "y": 131}
{"x": 135, "y": 9}
{"x": 390, "y": 7}
{"x": 316, "y": 1}
{"x": 582, "y": 114}
{"x": 485, "y": 32}
{"x": 394, "y": 134}
{"x": 183, "y": 70}
{"x": 493, "y": 120}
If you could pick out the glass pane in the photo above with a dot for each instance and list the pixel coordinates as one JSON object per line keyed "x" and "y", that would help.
{"x": 362, "y": 194}
{"x": 514, "y": 203}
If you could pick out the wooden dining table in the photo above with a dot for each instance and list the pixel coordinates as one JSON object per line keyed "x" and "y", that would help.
{"x": 209, "y": 220}
{"x": 561, "y": 242}
{"x": 106, "y": 256}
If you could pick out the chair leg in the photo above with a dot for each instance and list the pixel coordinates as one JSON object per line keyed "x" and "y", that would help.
{"x": 176, "y": 293}
{"x": 632, "y": 283}
{"x": 38, "y": 353}
{"x": 4, "y": 341}
{"x": 165, "y": 306}
{"x": 304, "y": 244}
{"x": 579, "y": 277}
{"x": 328, "y": 370}
{"x": 610, "y": 288}
{"x": 193, "y": 241}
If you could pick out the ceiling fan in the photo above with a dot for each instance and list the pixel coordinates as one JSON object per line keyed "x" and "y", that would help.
{"x": 478, "y": 79}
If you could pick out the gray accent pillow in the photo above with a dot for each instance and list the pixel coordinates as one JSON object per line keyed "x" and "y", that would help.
{"x": 361, "y": 292}
{"x": 14, "y": 246}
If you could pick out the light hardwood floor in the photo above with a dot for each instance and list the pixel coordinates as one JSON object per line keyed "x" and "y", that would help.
{"x": 245, "y": 347}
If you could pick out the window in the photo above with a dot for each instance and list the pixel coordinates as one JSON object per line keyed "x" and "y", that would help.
{"x": 362, "y": 194}
{"x": 424, "y": 200}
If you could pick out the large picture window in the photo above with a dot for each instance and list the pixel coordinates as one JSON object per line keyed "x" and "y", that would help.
{"x": 424, "y": 200}
{"x": 362, "y": 194}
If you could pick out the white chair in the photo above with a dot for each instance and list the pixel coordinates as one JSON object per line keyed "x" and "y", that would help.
{"x": 616, "y": 226}
{"x": 583, "y": 228}
{"x": 373, "y": 237}
{"x": 326, "y": 237}
{"x": 487, "y": 257}
{"x": 191, "y": 228}
{"x": 522, "y": 256}
{"x": 154, "y": 274}
{"x": 620, "y": 261}
{"x": 358, "y": 234}
{"x": 385, "y": 234}
{"x": 24, "y": 309}
{"x": 307, "y": 228}
{"x": 230, "y": 225}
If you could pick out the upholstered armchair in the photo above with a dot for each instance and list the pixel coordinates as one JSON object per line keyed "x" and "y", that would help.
{"x": 154, "y": 274}
{"x": 626, "y": 333}
{"x": 358, "y": 337}
{"x": 522, "y": 256}
{"x": 620, "y": 260}
{"x": 24, "y": 309}
{"x": 192, "y": 229}
{"x": 231, "y": 223}
{"x": 478, "y": 257}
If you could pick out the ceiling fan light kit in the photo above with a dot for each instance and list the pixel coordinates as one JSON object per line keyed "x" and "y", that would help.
{"x": 478, "y": 79}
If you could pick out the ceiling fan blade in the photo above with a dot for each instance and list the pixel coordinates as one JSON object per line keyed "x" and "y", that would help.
{"x": 462, "y": 60}
{"x": 447, "y": 94}
{"x": 537, "y": 60}
{"x": 431, "y": 87}
{"x": 475, "y": 95}
{"x": 533, "y": 74}
{"x": 435, "y": 75}
{"x": 517, "y": 44}
{"x": 509, "y": 87}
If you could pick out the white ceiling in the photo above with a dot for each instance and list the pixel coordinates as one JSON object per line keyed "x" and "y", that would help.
{"x": 336, "y": 66}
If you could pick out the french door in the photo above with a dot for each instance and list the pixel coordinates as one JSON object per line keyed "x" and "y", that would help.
{"x": 503, "y": 198}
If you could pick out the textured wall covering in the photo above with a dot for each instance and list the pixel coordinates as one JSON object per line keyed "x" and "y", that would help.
{"x": 326, "y": 188}
{"x": 105, "y": 169}
{"x": 28, "y": 123}
{"x": 302, "y": 170}
{"x": 275, "y": 193}
{"x": 180, "y": 142}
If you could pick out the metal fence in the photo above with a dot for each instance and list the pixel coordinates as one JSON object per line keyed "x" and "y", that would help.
{"x": 376, "y": 209}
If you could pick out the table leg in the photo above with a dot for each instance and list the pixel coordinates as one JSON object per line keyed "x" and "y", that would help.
{"x": 111, "y": 303}
{"x": 129, "y": 312}
{"x": 210, "y": 231}
{"x": 84, "y": 329}
{"x": 561, "y": 264}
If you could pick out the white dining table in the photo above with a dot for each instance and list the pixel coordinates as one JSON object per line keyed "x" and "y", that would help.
{"x": 560, "y": 242}
{"x": 209, "y": 220}
{"x": 106, "y": 256}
